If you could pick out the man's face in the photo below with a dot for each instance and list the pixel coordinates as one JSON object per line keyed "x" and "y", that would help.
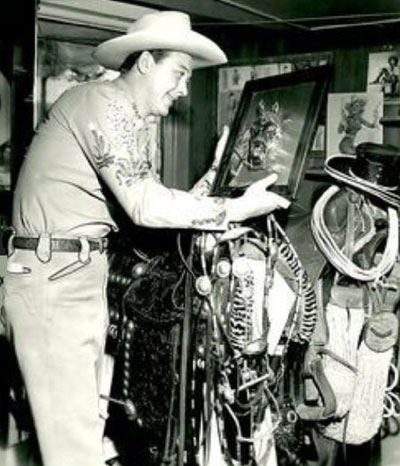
{"x": 168, "y": 80}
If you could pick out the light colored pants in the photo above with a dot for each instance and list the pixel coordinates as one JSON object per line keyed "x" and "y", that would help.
{"x": 58, "y": 329}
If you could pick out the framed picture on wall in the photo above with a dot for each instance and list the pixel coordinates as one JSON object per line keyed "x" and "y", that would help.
{"x": 273, "y": 131}
{"x": 384, "y": 73}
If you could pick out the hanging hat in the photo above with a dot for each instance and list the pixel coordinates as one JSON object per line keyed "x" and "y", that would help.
{"x": 166, "y": 30}
{"x": 374, "y": 170}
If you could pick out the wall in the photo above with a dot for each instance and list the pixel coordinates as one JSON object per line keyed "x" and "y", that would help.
{"x": 350, "y": 48}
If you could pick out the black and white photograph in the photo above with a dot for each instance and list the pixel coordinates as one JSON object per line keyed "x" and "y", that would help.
{"x": 199, "y": 233}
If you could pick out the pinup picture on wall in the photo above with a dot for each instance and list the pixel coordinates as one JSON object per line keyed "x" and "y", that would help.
{"x": 383, "y": 73}
{"x": 353, "y": 118}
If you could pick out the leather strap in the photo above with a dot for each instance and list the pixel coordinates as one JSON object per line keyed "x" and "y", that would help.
{"x": 60, "y": 244}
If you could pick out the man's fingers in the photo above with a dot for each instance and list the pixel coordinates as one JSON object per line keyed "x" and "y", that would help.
{"x": 270, "y": 180}
{"x": 221, "y": 144}
{"x": 225, "y": 130}
{"x": 281, "y": 202}
{"x": 265, "y": 183}
{"x": 259, "y": 190}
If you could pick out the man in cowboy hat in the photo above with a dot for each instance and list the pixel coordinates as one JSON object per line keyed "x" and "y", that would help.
{"x": 96, "y": 136}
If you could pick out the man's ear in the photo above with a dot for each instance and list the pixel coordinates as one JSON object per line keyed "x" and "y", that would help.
{"x": 145, "y": 62}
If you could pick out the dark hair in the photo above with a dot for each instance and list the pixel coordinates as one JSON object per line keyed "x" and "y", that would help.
{"x": 130, "y": 60}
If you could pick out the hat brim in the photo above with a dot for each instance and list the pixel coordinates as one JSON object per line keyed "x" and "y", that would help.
{"x": 340, "y": 168}
{"x": 112, "y": 53}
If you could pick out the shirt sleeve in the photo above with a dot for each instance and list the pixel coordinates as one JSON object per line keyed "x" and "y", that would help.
{"x": 112, "y": 135}
{"x": 204, "y": 185}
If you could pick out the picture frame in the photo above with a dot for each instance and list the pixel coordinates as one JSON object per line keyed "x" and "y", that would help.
{"x": 384, "y": 73}
{"x": 273, "y": 132}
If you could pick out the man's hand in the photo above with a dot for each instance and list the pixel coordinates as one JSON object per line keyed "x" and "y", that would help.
{"x": 219, "y": 150}
{"x": 203, "y": 186}
{"x": 256, "y": 201}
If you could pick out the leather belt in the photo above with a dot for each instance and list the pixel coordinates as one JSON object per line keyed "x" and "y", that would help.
{"x": 60, "y": 244}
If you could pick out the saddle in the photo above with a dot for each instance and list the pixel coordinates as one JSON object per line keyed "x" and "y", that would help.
{"x": 360, "y": 230}
{"x": 146, "y": 301}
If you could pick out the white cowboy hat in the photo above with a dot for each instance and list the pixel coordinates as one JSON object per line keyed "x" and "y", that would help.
{"x": 166, "y": 30}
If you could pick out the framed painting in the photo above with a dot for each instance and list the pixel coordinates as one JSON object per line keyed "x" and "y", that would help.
{"x": 273, "y": 131}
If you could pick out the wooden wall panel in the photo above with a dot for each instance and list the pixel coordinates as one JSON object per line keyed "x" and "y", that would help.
{"x": 204, "y": 122}
{"x": 350, "y": 48}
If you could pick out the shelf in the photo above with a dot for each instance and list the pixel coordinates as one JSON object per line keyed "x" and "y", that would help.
{"x": 317, "y": 174}
{"x": 392, "y": 101}
{"x": 390, "y": 121}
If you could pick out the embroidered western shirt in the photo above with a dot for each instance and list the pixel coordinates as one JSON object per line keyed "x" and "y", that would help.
{"x": 94, "y": 140}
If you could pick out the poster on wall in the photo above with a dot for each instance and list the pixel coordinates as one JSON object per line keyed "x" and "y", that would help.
{"x": 353, "y": 118}
{"x": 383, "y": 73}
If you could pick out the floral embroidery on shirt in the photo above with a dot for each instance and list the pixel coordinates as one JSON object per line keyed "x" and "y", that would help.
{"x": 204, "y": 185}
{"x": 126, "y": 150}
{"x": 128, "y": 171}
{"x": 218, "y": 216}
{"x": 130, "y": 133}
{"x": 102, "y": 156}
{"x": 126, "y": 125}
